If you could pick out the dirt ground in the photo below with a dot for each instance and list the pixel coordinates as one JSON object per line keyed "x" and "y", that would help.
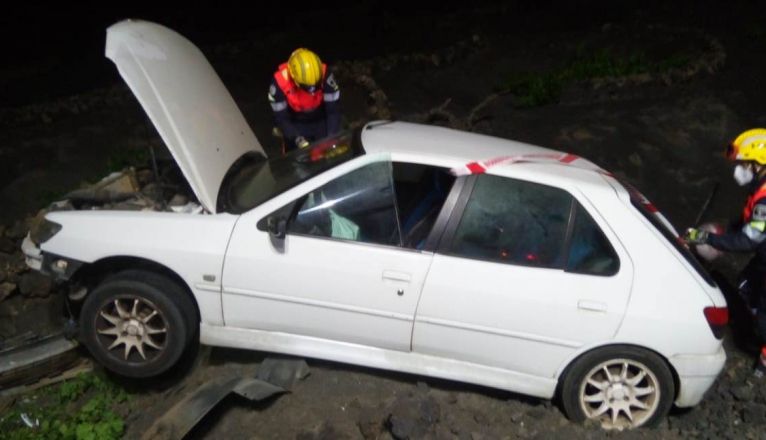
{"x": 663, "y": 131}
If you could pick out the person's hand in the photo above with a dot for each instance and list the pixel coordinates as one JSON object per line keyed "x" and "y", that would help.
{"x": 301, "y": 142}
{"x": 696, "y": 236}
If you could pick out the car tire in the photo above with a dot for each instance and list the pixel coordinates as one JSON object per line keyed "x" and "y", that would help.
{"x": 137, "y": 323}
{"x": 621, "y": 387}
{"x": 188, "y": 310}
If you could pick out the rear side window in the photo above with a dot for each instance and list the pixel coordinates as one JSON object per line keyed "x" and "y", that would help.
{"x": 514, "y": 221}
{"x": 589, "y": 250}
{"x": 524, "y": 223}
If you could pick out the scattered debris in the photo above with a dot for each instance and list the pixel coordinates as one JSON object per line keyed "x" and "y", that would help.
{"x": 27, "y": 358}
{"x": 283, "y": 372}
{"x": 83, "y": 366}
{"x": 28, "y": 421}
{"x": 115, "y": 187}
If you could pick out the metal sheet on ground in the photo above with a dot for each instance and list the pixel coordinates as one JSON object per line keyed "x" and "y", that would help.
{"x": 34, "y": 359}
{"x": 184, "y": 415}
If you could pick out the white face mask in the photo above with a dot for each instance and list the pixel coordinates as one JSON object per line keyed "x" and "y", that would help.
{"x": 743, "y": 174}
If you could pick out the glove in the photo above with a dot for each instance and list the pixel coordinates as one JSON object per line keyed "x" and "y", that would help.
{"x": 301, "y": 142}
{"x": 696, "y": 236}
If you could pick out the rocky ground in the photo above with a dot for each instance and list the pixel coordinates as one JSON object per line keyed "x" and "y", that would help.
{"x": 660, "y": 126}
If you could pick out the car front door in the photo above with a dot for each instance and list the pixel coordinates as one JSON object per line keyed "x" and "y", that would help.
{"x": 339, "y": 273}
{"x": 523, "y": 278}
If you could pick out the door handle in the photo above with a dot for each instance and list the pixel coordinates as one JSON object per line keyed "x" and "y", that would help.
{"x": 593, "y": 306}
{"x": 393, "y": 275}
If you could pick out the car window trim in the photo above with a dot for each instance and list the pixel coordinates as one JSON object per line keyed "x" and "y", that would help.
{"x": 362, "y": 243}
{"x": 458, "y": 207}
{"x": 397, "y": 214}
{"x": 440, "y": 225}
{"x": 570, "y": 230}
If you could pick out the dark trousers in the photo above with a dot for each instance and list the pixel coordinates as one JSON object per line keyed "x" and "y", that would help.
{"x": 754, "y": 292}
{"x": 312, "y": 130}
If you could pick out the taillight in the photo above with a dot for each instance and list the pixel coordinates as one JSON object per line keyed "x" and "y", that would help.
{"x": 717, "y": 318}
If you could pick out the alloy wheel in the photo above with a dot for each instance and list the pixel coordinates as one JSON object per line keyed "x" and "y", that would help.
{"x": 620, "y": 393}
{"x": 132, "y": 328}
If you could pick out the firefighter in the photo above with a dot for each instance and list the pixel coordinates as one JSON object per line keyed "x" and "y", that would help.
{"x": 305, "y": 99}
{"x": 748, "y": 151}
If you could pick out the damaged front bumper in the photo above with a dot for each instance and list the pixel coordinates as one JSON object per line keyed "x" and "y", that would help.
{"x": 60, "y": 268}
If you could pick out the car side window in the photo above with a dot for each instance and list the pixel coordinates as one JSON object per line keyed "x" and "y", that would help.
{"x": 358, "y": 206}
{"x": 514, "y": 221}
{"x": 589, "y": 250}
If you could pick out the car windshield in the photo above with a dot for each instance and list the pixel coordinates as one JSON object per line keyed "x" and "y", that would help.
{"x": 253, "y": 180}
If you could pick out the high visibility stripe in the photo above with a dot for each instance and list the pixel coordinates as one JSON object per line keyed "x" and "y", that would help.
{"x": 278, "y": 106}
{"x": 759, "y": 225}
{"x": 476, "y": 168}
{"x": 482, "y": 166}
{"x": 753, "y": 234}
{"x": 331, "y": 97}
{"x": 569, "y": 158}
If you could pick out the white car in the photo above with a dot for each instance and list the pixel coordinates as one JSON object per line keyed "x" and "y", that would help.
{"x": 399, "y": 246}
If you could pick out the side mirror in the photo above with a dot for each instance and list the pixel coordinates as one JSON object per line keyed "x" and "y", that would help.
{"x": 277, "y": 227}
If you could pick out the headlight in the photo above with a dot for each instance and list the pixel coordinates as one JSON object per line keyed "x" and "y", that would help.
{"x": 44, "y": 231}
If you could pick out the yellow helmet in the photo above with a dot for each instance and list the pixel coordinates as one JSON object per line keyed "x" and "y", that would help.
{"x": 305, "y": 67}
{"x": 750, "y": 145}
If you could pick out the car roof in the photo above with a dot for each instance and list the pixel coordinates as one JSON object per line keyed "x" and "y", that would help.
{"x": 456, "y": 149}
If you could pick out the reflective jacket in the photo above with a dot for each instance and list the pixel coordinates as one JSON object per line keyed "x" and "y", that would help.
{"x": 297, "y": 98}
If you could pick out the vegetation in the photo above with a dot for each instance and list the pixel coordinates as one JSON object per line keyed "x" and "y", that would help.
{"x": 78, "y": 409}
{"x": 535, "y": 89}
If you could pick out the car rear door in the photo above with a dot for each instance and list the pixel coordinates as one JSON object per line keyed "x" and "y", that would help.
{"x": 339, "y": 273}
{"x": 525, "y": 275}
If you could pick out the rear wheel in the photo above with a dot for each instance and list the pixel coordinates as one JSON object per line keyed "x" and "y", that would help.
{"x": 621, "y": 387}
{"x": 136, "y": 323}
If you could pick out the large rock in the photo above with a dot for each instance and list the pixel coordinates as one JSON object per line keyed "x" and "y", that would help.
{"x": 35, "y": 285}
{"x": 7, "y": 246}
{"x": 6, "y": 289}
{"x": 754, "y": 414}
{"x": 413, "y": 417}
{"x": 18, "y": 230}
{"x": 370, "y": 423}
{"x": 743, "y": 393}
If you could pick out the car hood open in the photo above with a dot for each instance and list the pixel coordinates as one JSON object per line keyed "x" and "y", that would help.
{"x": 185, "y": 99}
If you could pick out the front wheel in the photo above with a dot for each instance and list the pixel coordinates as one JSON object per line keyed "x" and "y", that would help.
{"x": 134, "y": 324}
{"x": 620, "y": 387}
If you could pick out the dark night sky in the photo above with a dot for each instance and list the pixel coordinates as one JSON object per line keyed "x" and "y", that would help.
{"x": 56, "y": 50}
